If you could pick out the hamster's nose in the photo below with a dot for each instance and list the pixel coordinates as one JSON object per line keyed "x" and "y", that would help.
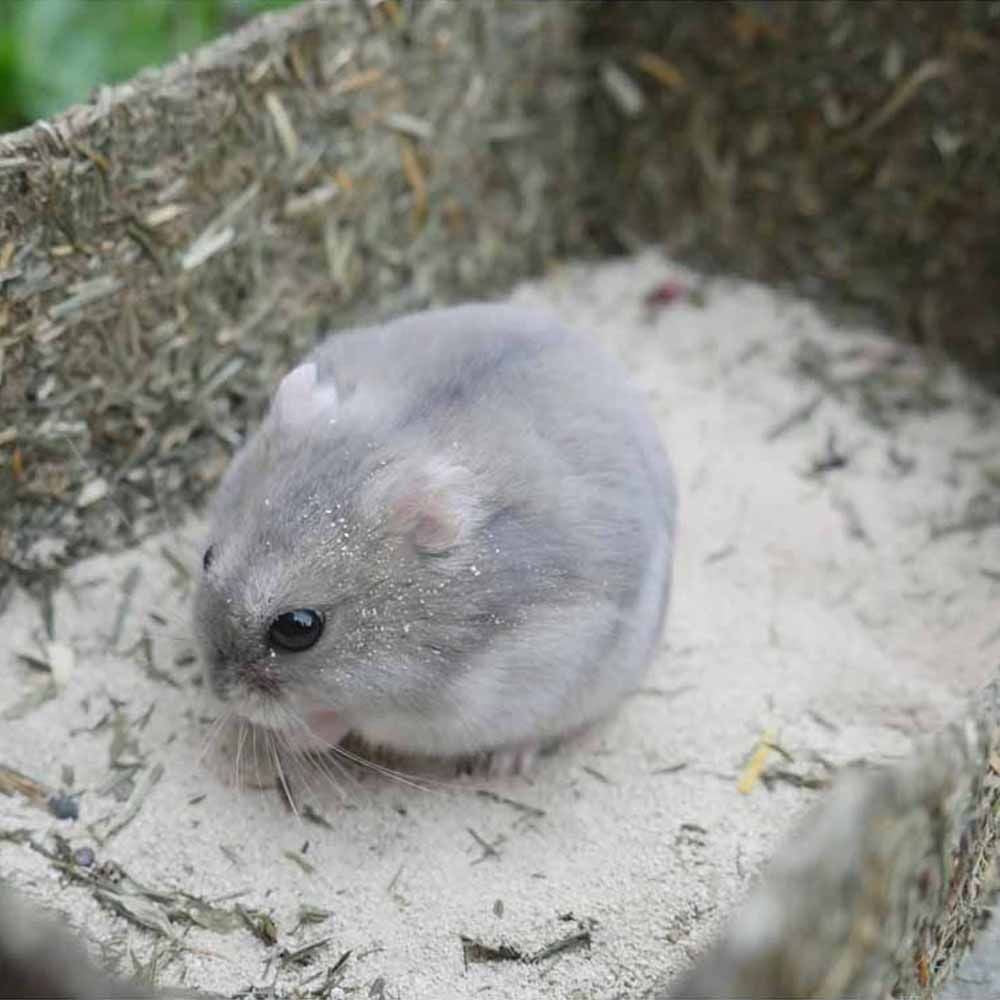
{"x": 260, "y": 676}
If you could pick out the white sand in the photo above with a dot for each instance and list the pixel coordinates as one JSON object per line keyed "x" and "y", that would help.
{"x": 782, "y": 620}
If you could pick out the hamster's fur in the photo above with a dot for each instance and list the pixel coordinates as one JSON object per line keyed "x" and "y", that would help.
{"x": 476, "y": 505}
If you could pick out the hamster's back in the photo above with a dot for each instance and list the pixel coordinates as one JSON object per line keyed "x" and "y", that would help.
{"x": 487, "y": 373}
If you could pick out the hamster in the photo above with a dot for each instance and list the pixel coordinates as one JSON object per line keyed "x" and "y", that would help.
{"x": 450, "y": 537}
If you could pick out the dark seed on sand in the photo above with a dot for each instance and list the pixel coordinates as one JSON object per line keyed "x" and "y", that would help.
{"x": 84, "y": 856}
{"x": 64, "y": 806}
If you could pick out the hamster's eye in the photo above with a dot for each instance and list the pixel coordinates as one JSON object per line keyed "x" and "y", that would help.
{"x": 206, "y": 559}
{"x": 296, "y": 630}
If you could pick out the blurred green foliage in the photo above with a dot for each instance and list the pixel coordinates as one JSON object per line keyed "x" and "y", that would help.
{"x": 54, "y": 52}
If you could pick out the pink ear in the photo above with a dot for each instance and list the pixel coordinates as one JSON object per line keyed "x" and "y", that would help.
{"x": 436, "y": 508}
{"x": 300, "y": 399}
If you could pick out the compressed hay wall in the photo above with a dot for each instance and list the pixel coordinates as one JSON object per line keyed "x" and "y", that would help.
{"x": 849, "y": 150}
{"x": 167, "y": 250}
{"x": 38, "y": 959}
{"x": 881, "y": 890}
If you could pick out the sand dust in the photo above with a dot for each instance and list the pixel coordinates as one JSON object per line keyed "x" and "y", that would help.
{"x": 845, "y": 611}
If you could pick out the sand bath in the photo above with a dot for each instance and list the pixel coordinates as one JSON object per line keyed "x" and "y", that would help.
{"x": 836, "y": 585}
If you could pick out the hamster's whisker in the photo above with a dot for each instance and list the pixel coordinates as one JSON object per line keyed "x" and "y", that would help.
{"x": 307, "y": 762}
{"x": 255, "y": 753}
{"x": 287, "y": 752}
{"x": 226, "y": 722}
{"x": 276, "y": 756}
{"x": 414, "y": 781}
{"x": 296, "y": 769}
{"x": 324, "y": 762}
{"x": 240, "y": 741}
{"x": 316, "y": 757}
{"x": 281, "y": 752}
{"x": 213, "y": 736}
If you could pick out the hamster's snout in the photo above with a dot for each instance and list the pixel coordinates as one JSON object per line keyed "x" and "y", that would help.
{"x": 254, "y": 676}
{"x": 260, "y": 677}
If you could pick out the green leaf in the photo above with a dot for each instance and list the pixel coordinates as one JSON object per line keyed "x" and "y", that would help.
{"x": 53, "y": 53}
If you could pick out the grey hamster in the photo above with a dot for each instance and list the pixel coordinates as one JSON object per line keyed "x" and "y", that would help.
{"x": 451, "y": 535}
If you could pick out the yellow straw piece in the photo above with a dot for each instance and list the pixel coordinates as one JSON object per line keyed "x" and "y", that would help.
{"x": 755, "y": 766}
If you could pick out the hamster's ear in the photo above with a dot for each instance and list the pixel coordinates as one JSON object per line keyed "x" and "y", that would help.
{"x": 300, "y": 399}
{"x": 435, "y": 506}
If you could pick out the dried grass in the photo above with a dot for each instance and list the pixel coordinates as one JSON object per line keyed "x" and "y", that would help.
{"x": 847, "y": 150}
{"x": 168, "y": 249}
